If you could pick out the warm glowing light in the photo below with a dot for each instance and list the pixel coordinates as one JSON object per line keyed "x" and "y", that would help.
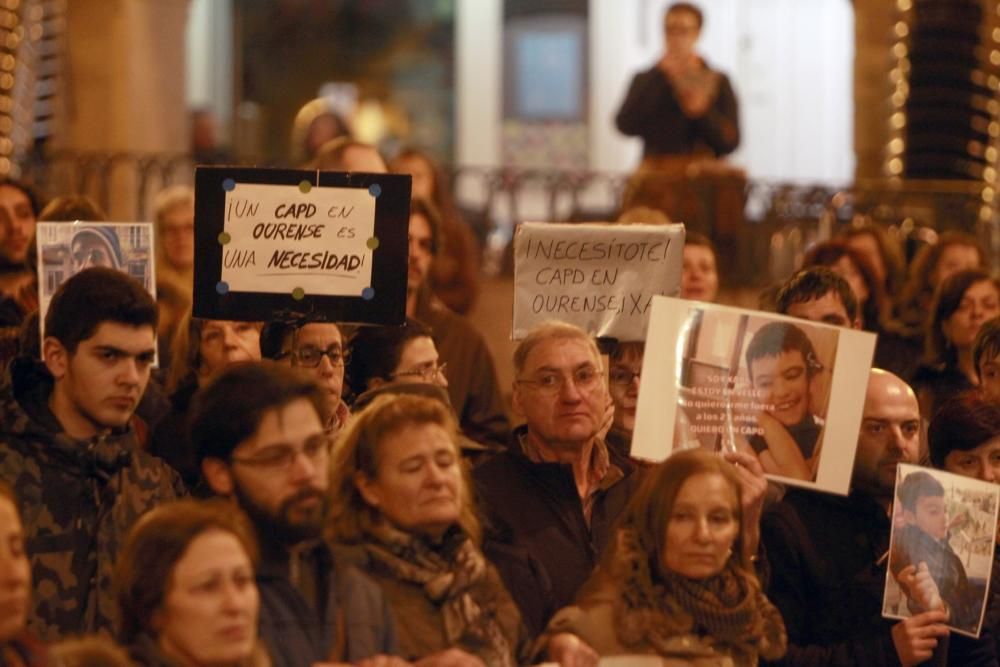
{"x": 985, "y": 213}
{"x": 904, "y": 5}
{"x": 996, "y": 34}
{"x": 994, "y": 129}
{"x": 898, "y": 99}
{"x": 989, "y": 174}
{"x": 898, "y": 119}
{"x": 902, "y": 30}
{"x": 895, "y": 75}
{"x": 895, "y": 166}
{"x": 995, "y": 57}
{"x": 988, "y": 195}
{"x": 896, "y": 145}
{"x": 991, "y": 154}
{"x": 899, "y": 50}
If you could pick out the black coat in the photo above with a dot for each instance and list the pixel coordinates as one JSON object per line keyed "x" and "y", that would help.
{"x": 536, "y": 533}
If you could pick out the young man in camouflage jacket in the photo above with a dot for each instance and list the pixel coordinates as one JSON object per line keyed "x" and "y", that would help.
{"x": 68, "y": 447}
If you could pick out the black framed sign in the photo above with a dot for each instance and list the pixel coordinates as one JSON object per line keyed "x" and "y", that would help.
{"x": 330, "y": 245}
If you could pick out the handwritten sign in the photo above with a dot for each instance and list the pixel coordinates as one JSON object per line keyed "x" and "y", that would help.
{"x": 601, "y": 277}
{"x": 273, "y": 241}
{"x": 281, "y": 239}
{"x": 781, "y": 389}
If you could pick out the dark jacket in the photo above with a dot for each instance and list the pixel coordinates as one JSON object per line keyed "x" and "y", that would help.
{"x": 828, "y": 557}
{"x": 472, "y": 377}
{"x": 171, "y": 440}
{"x": 536, "y": 533}
{"x": 348, "y": 621}
{"x": 652, "y": 112}
{"x": 935, "y": 384}
{"x": 78, "y": 499}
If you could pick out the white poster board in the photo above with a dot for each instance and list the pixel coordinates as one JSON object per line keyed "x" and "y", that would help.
{"x": 727, "y": 379}
{"x": 66, "y": 248}
{"x": 941, "y": 552}
{"x": 598, "y": 276}
{"x": 279, "y": 239}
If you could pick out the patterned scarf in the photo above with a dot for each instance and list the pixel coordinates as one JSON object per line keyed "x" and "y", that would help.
{"x": 451, "y": 575}
{"x": 730, "y": 607}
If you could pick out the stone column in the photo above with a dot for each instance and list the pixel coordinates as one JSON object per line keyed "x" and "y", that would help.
{"x": 125, "y": 85}
{"x": 873, "y": 61}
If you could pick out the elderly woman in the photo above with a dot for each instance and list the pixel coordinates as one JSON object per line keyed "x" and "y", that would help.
{"x": 401, "y": 505}
{"x": 201, "y": 350}
{"x": 962, "y": 303}
{"x": 17, "y": 646}
{"x": 185, "y": 588}
{"x": 678, "y": 581}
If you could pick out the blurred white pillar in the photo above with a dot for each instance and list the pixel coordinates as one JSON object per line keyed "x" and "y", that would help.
{"x": 478, "y": 82}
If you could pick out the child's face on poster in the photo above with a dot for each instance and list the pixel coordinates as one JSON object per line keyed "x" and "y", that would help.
{"x": 931, "y": 516}
{"x": 784, "y": 385}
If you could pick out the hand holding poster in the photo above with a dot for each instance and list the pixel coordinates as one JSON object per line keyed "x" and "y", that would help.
{"x": 941, "y": 551}
{"x": 327, "y": 243}
{"x": 600, "y": 277}
{"x": 729, "y": 379}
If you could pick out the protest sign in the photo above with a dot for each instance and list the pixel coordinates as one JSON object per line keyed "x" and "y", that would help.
{"x": 941, "y": 551}
{"x": 600, "y": 277}
{"x": 66, "y": 248}
{"x": 326, "y": 244}
{"x": 782, "y": 389}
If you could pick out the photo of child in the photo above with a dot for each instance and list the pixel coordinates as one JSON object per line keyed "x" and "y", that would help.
{"x": 758, "y": 385}
{"x": 941, "y": 547}
{"x": 727, "y": 379}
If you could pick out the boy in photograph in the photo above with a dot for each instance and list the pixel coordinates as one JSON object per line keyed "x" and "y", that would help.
{"x": 922, "y": 561}
{"x": 781, "y": 363}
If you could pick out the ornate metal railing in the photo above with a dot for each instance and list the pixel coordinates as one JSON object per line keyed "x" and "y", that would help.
{"x": 779, "y": 220}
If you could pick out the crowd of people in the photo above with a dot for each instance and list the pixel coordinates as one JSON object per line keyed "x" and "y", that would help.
{"x": 184, "y": 492}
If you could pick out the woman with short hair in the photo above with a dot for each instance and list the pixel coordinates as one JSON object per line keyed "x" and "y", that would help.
{"x": 185, "y": 588}
{"x": 401, "y": 508}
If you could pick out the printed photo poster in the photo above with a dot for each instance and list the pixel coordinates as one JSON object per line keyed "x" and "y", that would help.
{"x": 66, "y": 248}
{"x": 782, "y": 389}
{"x": 326, "y": 244}
{"x": 941, "y": 552}
{"x": 601, "y": 277}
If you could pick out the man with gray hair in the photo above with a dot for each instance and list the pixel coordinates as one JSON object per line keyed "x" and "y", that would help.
{"x": 551, "y": 499}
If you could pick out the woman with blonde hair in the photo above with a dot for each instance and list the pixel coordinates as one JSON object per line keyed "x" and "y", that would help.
{"x": 185, "y": 588}
{"x": 401, "y": 509}
{"x": 678, "y": 581}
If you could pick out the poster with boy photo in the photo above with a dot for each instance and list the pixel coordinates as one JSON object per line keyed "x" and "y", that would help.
{"x": 66, "y": 248}
{"x": 728, "y": 379}
{"x": 941, "y": 551}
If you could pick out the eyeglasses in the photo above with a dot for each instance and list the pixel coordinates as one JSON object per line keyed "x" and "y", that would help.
{"x": 310, "y": 356}
{"x": 427, "y": 373}
{"x": 281, "y": 457}
{"x": 585, "y": 378}
{"x": 622, "y": 376}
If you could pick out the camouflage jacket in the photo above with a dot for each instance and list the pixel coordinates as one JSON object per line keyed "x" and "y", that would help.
{"x": 78, "y": 501}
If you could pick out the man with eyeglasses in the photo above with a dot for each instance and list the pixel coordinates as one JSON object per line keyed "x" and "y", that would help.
{"x": 550, "y": 500}
{"x": 259, "y": 432}
{"x": 318, "y": 349}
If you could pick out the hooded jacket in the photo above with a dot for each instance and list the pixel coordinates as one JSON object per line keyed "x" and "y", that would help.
{"x": 78, "y": 500}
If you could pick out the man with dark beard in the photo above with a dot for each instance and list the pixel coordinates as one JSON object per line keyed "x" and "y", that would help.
{"x": 258, "y": 431}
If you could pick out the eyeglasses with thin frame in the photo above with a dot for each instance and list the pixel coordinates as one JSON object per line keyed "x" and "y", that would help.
{"x": 281, "y": 457}
{"x": 584, "y": 378}
{"x": 310, "y": 356}
{"x": 622, "y": 376}
{"x": 428, "y": 373}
